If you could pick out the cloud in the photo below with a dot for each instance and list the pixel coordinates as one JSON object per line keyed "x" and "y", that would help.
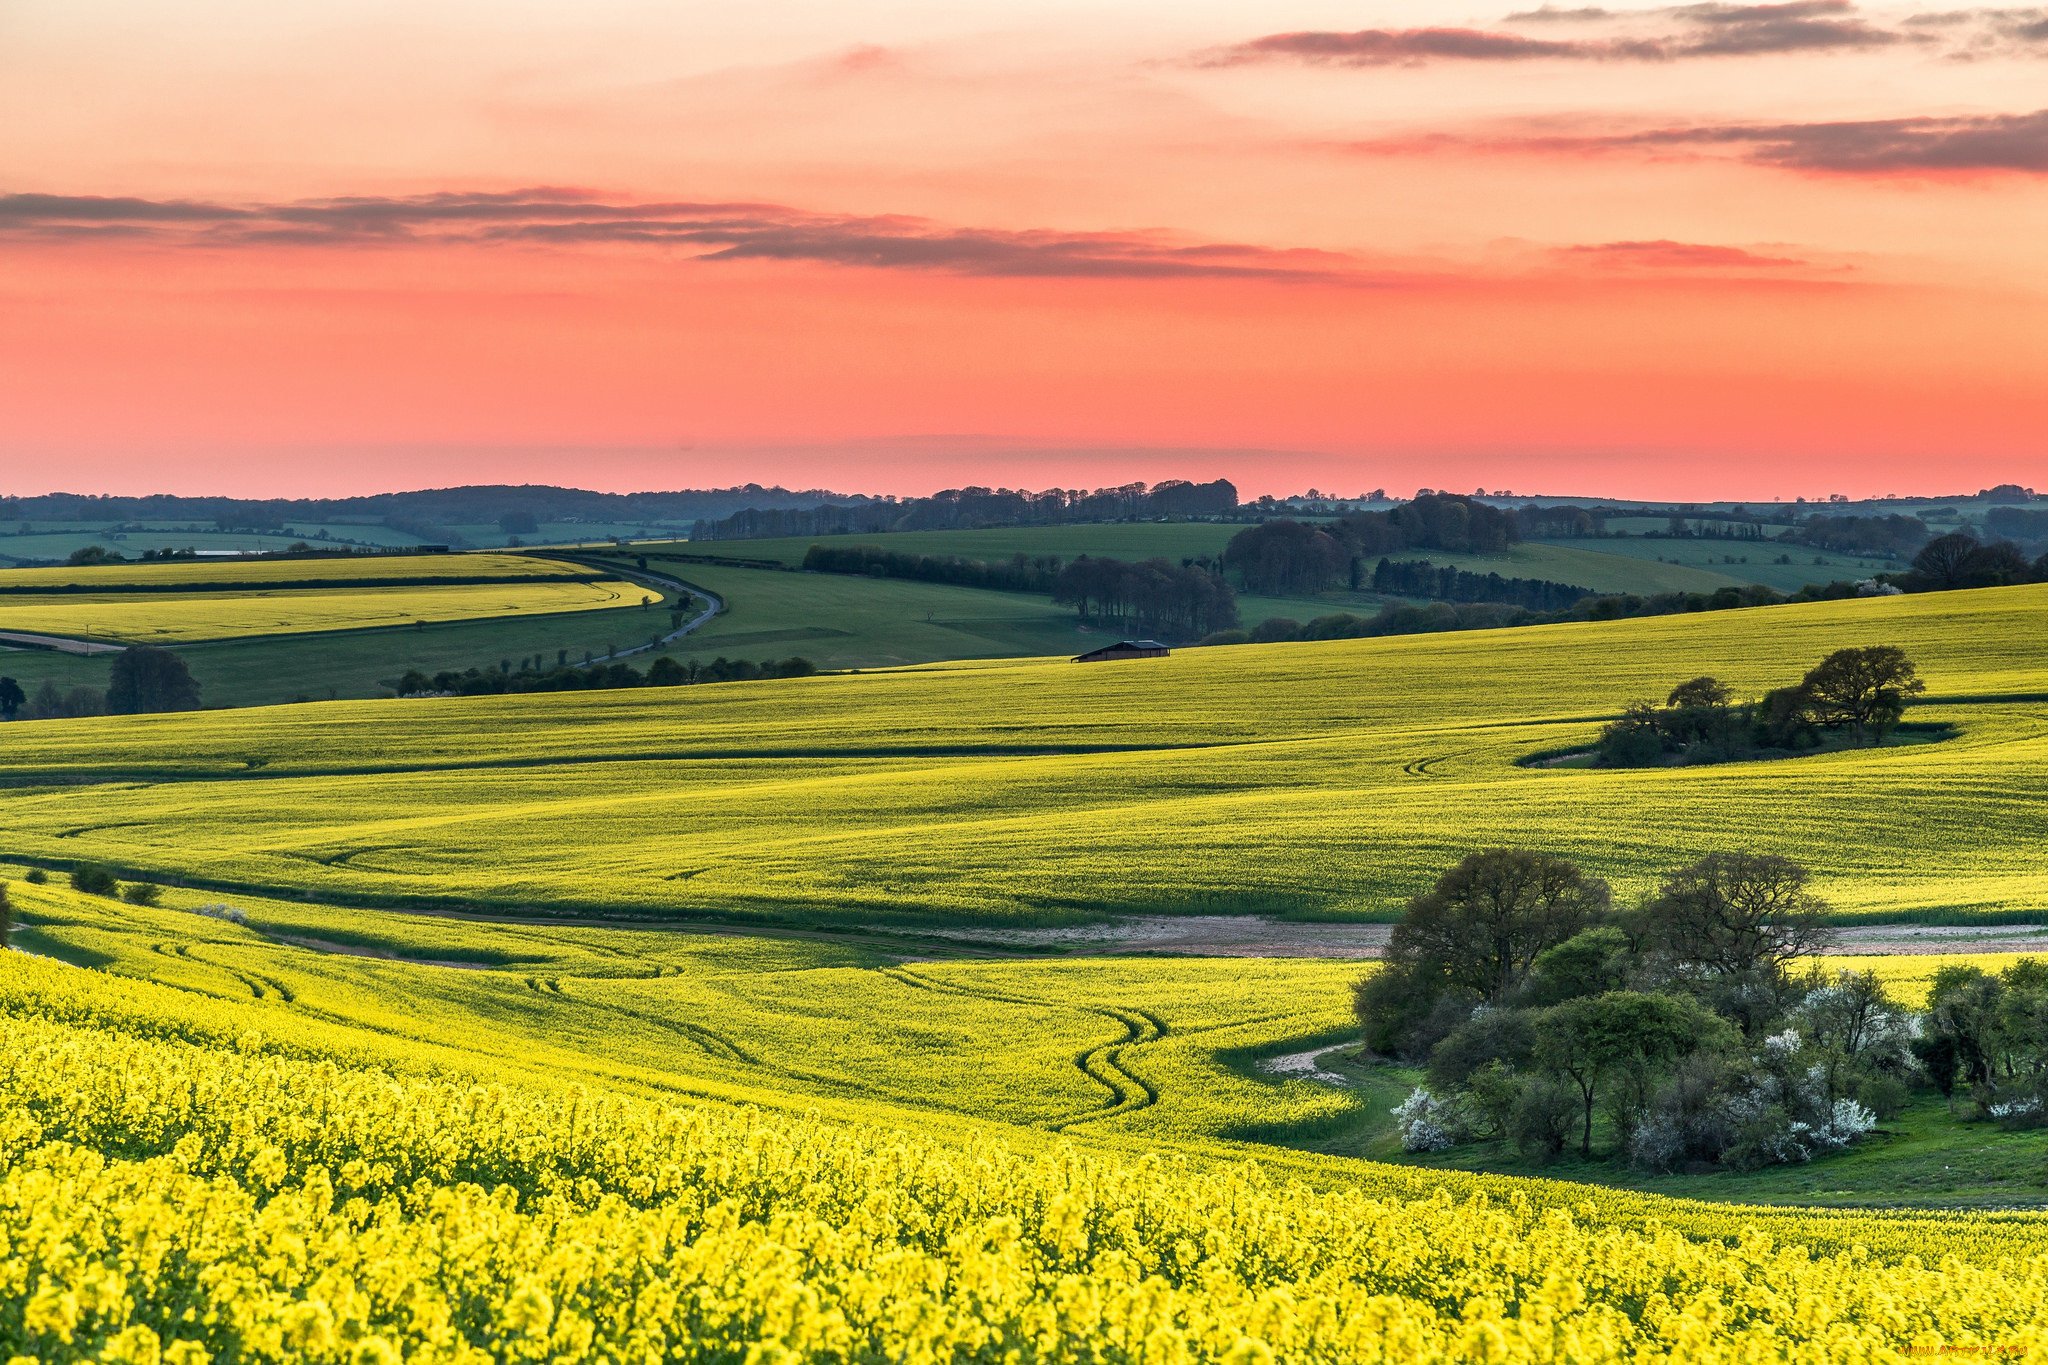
{"x": 1412, "y": 47}
{"x": 1663, "y": 254}
{"x": 1981, "y": 144}
{"x": 705, "y": 230}
{"x": 1682, "y": 32}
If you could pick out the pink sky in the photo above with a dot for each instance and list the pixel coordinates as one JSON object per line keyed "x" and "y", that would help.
{"x": 1714, "y": 250}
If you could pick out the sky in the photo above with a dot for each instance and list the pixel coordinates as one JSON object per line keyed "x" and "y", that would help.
{"x": 1713, "y": 250}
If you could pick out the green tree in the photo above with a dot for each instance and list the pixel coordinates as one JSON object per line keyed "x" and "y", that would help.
{"x": 1734, "y": 914}
{"x": 6, "y": 916}
{"x": 1480, "y": 928}
{"x": 12, "y": 698}
{"x": 145, "y": 678}
{"x": 1590, "y": 962}
{"x": 1622, "y": 1039}
{"x": 1864, "y": 689}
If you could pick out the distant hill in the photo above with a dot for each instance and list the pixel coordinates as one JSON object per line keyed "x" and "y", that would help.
{"x": 471, "y": 504}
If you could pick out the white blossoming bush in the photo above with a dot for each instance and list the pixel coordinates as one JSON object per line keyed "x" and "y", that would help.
{"x": 1425, "y": 1123}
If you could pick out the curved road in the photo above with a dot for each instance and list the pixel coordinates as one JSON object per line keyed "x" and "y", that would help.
{"x": 714, "y": 604}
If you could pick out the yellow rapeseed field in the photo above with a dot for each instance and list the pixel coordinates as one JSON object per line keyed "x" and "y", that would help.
{"x": 280, "y": 1151}
{"x": 1312, "y": 779}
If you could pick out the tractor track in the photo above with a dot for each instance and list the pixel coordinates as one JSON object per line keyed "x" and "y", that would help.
{"x": 1103, "y": 1064}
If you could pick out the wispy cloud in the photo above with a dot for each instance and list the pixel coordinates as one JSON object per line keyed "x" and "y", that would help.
{"x": 719, "y": 231}
{"x": 706, "y": 230}
{"x": 1664, "y": 254}
{"x": 1679, "y": 33}
{"x": 1971, "y": 145}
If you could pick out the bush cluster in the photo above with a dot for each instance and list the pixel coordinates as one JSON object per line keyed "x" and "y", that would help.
{"x": 1860, "y": 691}
{"x": 1539, "y": 1008}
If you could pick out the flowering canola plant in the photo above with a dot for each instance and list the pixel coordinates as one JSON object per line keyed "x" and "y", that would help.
{"x": 174, "y": 1195}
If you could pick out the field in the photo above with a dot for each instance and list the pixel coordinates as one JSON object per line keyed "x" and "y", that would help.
{"x": 1743, "y": 561}
{"x": 238, "y": 575}
{"x": 840, "y": 621}
{"x": 1309, "y": 780}
{"x": 676, "y": 1068}
{"x": 321, "y": 1134}
{"x": 178, "y": 618}
{"x": 275, "y": 630}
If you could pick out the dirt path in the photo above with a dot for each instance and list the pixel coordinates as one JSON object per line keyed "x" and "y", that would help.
{"x": 1202, "y": 936}
{"x": 1307, "y": 1066}
{"x": 1897, "y": 939}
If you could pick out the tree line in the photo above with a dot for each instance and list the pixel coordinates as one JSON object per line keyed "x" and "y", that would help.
{"x": 1019, "y": 573}
{"x": 1693, "y": 1027}
{"x": 958, "y": 508}
{"x": 1861, "y": 691}
{"x": 1420, "y": 578}
{"x": 663, "y": 672}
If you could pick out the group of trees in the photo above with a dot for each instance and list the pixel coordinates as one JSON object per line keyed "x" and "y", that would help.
{"x": 663, "y": 672}
{"x": 979, "y": 507}
{"x": 1284, "y": 558}
{"x": 1019, "y": 573}
{"x": 142, "y": 678}
{"x": 1861, "y": 690}
{"x": 1958, "y": 560}
{"x": 1538, "y": 1007}
{"x": 1153, "y": 597}
{"x": 1879, "y": 534}
{"x": 1420, "y": 578}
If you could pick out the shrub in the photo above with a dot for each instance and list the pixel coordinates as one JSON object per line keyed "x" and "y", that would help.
{"x": 1425, "y": 1123}
{"x": 94, "y": 880}
{"x": 35, "y": 876}
{"x": 1543, "y": 1117}
{"x": 141, "y": 893}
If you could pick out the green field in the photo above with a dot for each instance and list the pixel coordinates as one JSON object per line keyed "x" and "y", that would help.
{"x": 1314, "y": 779}
{"x": 1743, "y": 561}
{"x": 842, "y": 621}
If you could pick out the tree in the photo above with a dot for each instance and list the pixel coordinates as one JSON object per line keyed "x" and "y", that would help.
{"x": 1743, "y": 918}
{"x": 1590, "y": 962}
{"x": 12, "y": 698}
{"x": 1942, "y": 561}
{"x": 1864, "y": 689}
{"x": 665, "y": 672}
{"x": 94, "y": 880}
{"x": 6, "y": 916}
{"x": 1479, "y": 929}
{"x": 146, "y": 678}
{"x": 1623, "y": 1037}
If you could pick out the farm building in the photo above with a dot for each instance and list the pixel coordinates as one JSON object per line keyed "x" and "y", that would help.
{"x": 1124, "y": 649}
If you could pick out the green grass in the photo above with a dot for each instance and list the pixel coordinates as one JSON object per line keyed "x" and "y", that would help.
{"x": 843, "y": 621}
{"x": 360, "y": 663}
{"x": 1753, "y": 561}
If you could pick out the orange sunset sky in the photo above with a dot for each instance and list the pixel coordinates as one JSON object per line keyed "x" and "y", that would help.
{"x": 1706, "y": 250}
